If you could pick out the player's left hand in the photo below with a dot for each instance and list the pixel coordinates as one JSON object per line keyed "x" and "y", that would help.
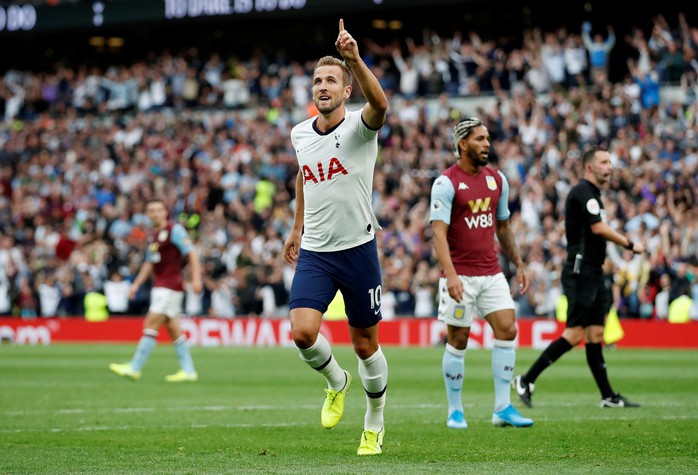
{"x": 346, "y": 45}
{"x": 522, "y": 278}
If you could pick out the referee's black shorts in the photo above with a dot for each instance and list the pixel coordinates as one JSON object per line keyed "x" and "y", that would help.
{"x": 587, "y": 297}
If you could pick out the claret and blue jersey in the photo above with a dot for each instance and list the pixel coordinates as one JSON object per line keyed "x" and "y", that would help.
{"x": 166, "y": 251}
{"x": 471, "y": 205}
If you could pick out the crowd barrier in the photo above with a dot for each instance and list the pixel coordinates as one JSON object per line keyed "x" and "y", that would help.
{"x": 276, "y": 332}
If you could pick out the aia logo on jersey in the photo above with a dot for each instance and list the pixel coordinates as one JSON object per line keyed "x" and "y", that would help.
{"x": 319, "y": 175}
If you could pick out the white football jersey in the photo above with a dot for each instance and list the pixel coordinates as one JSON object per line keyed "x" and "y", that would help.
{"x": 337, "y": 168}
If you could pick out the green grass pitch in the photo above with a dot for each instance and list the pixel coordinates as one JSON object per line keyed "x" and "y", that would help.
{"x": 257, "y": 410}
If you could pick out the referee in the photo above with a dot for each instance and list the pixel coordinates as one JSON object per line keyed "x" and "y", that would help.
{"x": 582, "y": 280}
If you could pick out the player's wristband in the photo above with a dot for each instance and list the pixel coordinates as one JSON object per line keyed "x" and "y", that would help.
{"x": 630, "y": 245}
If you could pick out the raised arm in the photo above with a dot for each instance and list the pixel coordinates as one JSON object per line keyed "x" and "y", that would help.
{"x": 375, "y": 111}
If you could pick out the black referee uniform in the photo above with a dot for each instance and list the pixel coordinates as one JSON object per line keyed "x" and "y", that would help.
{"x": 583, "y": 281}
{"x": 582, "y": 274}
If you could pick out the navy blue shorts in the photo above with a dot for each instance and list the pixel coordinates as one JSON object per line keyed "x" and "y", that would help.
{"x": 355, "y": 272}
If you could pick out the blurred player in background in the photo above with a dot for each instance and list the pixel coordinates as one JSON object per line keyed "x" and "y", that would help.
{"x": 333, "y": 238}
{"x": 469, "y": 205}
{"x": 168, "y": 247}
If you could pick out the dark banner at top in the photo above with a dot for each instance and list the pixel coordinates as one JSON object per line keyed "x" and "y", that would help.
{"x": 100, "y": 14}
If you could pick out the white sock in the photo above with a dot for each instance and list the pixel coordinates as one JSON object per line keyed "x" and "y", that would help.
{"x": 503, "y": 362}
{"x": 319, "y": 357}
{"x": 453, "y": 366}
{"x": 181, "y": 347}
{"x": 373, "y": 372}
{"x": 145, "y": 346}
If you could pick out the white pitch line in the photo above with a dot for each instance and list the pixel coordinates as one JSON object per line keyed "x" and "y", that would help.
{"x": 287, "y": 424}
{"x": 130, "y": 427}
{"x": 270, "y": 407}
{"x": 259, "y": 407}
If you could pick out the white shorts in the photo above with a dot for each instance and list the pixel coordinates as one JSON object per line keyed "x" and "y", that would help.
{"x": 165, "y": 301}
{"x": 482, "y": 295}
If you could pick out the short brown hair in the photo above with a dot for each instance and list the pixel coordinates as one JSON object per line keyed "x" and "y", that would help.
{"x": 588, "y": 156}
{"x": 332, "y": 61}
{"x": 156, "y": 200}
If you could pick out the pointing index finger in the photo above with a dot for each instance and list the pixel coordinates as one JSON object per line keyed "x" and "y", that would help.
{"x": 341, "y": 24}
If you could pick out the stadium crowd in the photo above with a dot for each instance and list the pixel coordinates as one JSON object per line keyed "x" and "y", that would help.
{"x": 83, "y": 148}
